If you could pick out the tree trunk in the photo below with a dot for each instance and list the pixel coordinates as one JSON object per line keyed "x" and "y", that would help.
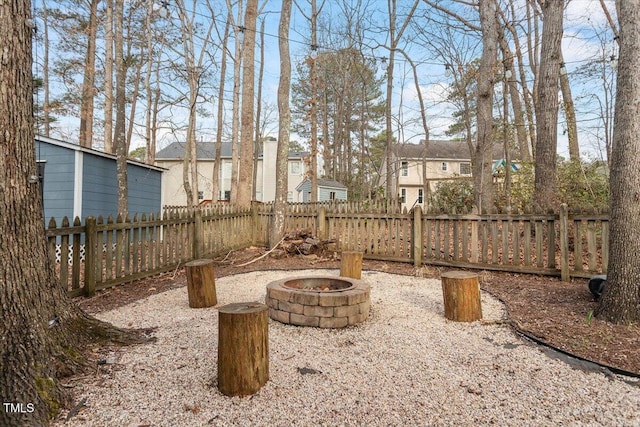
{"x": 257, "y": 138}
{"x": 120, "y": 130}
{"x": 42, "y": 331}
{"x": 88, "y": 83}
{"x": 483, "y": 156}
{"x": 314, "y": 103}
{"x": 620, "y": 301}
{"x": 217, "y": 164}
{"x": 569, "y": 114}
{"x": 547, "y": 106}
{"x": 248, "y": 77}
{"x": 46, "y": 105}
{"x": 108, "y": 78}
{"x": 284, "y": 110}
{"x": 235, "y": 107}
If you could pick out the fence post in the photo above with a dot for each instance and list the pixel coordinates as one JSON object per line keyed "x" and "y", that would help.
{"x": 564, "y": 243}
{"x": 197, "y": 233}
{"x": 474, "y": 234}
{"x": 90, "y": 257}
{"x": 322, "y": 223}
{"x": 255, "y": 224}
{"x": 417, "y": 236}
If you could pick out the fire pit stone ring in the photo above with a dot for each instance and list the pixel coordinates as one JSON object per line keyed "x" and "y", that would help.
{"x": 320, "y": 301}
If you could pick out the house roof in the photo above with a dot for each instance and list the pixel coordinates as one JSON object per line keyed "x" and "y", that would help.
{"x": 330, "y": 183}
{"x": 441, "y": 149}
{"x": 322, "y": 182}
{"x": 207, "y": 151}
{"x": 77, "y": 147}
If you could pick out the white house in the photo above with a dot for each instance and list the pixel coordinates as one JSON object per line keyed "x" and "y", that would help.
{"x": 171, "y": 158}
{"x": 444, "y": 161}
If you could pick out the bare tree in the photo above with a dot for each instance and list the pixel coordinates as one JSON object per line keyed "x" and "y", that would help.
{"x": 394, "y": 39}
{"x": 569, "y": 112}
{"x": 482, "y": 167}
{"x": 217, "y": 165}
{"x": 238, "y": 30}
{"x": 88, "y": 83}
{"x": 284, "y": 86}
{"x": 547, "y": 105}
{"x": 313, "y": 83}
{"x": 248, "y": 90}
{"x": 620, "y": 301}
{"x": 108, "y": 76}
{"x": 120, "y": 140}
{"x": 46, "y": 105}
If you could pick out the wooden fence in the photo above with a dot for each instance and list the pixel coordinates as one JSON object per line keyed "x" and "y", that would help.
{"x": 102, "y": 253}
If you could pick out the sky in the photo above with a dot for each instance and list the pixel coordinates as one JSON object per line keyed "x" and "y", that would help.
{"x": 579, "y": 46}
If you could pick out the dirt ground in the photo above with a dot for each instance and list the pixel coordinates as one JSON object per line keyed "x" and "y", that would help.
{"x": 554, "y": 312}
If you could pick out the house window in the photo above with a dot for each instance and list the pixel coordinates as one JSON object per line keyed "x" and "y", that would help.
{"x": 294, "y": 168}
{"x": 403, "y": 195}
{"x": 200, "y": 195}
{"x": 332, "y": 195}
{"x": 227, "y": 195}
{"x": 405, "y": 168}
{"x": 420, "y": 195}
{"x": 465, "y": 168}
{"x": 444, "y": 166}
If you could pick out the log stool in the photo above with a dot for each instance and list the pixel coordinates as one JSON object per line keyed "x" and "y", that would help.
{"x": 201, "y": 283}
{"x": 351, "y": 264}
{"x": 461, "y": 292}
{"x": 243, "y": 348}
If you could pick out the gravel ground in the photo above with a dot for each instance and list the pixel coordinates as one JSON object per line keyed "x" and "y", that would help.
{"x": 406, "y": 365}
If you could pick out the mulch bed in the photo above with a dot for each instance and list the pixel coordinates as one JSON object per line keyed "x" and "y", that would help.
{"x": 552, "y": 311}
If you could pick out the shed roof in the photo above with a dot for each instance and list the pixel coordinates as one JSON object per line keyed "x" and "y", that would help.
{"x": 77, "y": 147}
{"x": 322, "y": 182}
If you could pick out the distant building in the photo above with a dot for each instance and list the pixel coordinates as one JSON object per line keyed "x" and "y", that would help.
{"x": 444, "y": 161}
{"x": 172, "y": 157}
{"x": 327, "y": 190}
{"x": 79, "y": 181}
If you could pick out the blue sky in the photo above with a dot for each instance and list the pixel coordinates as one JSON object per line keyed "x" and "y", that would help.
{"x": 579, "y": 46}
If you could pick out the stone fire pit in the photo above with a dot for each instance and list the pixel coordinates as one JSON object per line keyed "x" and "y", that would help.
{"x": 321, "y": 301}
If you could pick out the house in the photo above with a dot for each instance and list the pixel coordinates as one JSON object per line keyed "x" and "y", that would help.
{"x": 79, "y": 182}
{"x": 444, "y": 161}
{"x": 171, "y": 158}
{"x": 327, "y": 190}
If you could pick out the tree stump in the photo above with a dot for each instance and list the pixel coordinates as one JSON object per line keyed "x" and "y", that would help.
{"x": 243, "y": 348}
{"x": 351, "y": 264}
{"x": 461, "y": 292}
{"x": 201, "y": 283}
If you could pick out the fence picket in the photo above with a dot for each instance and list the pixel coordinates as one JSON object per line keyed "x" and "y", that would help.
{"x": 125, "y": 250}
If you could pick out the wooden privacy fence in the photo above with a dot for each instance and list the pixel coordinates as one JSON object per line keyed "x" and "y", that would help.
{"x": 563, "y": 243}
{"x": 116, "y": 251}
{"x": 100, "y": 253}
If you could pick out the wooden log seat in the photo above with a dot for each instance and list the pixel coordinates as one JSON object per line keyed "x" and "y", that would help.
{"x": 243, "y": 348}
{"x": 201, "y": 283}
{"x": 461, "y": 292}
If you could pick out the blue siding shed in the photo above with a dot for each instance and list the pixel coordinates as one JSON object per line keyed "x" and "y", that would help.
{"x": 81, "y": 182}
{"x": 327, "y": 190}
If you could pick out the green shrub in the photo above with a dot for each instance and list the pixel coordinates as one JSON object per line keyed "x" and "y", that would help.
{"x": 451, "y": 195}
